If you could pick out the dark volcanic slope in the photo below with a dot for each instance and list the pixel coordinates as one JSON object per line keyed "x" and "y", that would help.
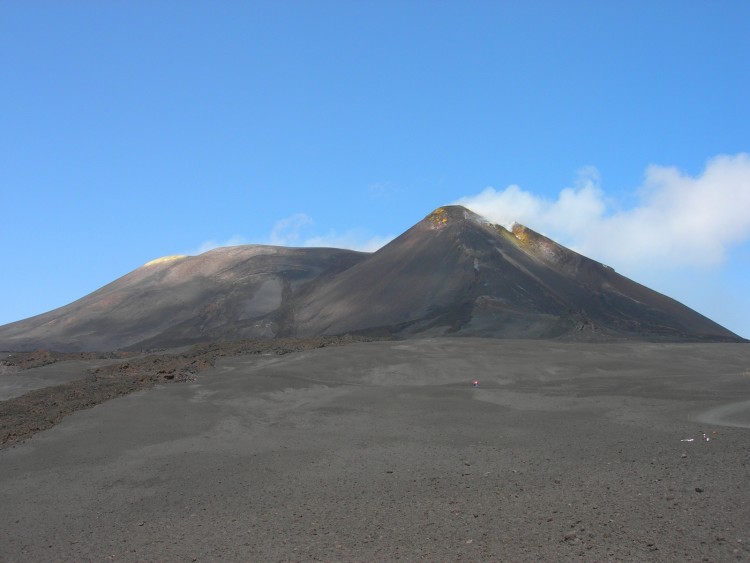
{"x": 228, "y": 293}
{"x": 452, "y": 273}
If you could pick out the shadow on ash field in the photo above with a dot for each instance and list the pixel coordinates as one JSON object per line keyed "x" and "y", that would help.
{"x": 384, "y": 451}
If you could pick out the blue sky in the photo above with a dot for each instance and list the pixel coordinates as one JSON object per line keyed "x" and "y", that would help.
{"x": 133, "y": 130}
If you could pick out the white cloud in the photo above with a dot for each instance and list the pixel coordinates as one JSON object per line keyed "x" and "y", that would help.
{"x": 234, "y": 240}
{"x": 296, "y": 230}
{"x": 352, "y": 240}
{"x": 678, "y": 221}
{"x": 288, "y": 231}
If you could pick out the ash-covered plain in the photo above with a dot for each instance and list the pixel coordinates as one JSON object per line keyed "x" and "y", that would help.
{"x": 382, "y": 451}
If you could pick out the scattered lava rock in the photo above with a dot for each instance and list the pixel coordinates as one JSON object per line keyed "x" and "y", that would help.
{"x": 40, "y": 409}
{"x": 38, "y": 358}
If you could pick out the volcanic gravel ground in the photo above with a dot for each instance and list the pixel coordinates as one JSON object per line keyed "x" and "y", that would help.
{"x": 384, "y": 451}
{"x": 89, "y": 378}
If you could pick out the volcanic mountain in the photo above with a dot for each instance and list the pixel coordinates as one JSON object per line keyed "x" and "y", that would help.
{"x": 451, "y": 273}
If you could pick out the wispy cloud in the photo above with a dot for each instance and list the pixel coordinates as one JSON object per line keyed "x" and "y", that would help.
{"x": 289, "y": 231}
{"x": 234, "y": 240}
{"x": 677, "y": 221}
{"x": 380, "y": 190}
{"x": 298, "y": 230}
{"x": 353, "y": 240}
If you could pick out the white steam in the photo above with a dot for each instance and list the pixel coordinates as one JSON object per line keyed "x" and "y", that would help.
{"x": 288, "y": 231}
{"x": 298, "y": 230}
{"x": 353, "y": 240}
{"x": 235, "y": 240}
{"x": 678, "y": 221}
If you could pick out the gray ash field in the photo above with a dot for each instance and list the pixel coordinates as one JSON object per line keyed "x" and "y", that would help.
{"x": 384, "y": 451}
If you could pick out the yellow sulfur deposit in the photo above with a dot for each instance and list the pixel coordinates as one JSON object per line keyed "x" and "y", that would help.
{"x": 439, "y": 217}
{"x": 165, "y": 259}
{"x": 520, "y": 233}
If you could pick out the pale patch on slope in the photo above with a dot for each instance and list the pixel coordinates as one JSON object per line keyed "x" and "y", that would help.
{"x": 164, "y": 259}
